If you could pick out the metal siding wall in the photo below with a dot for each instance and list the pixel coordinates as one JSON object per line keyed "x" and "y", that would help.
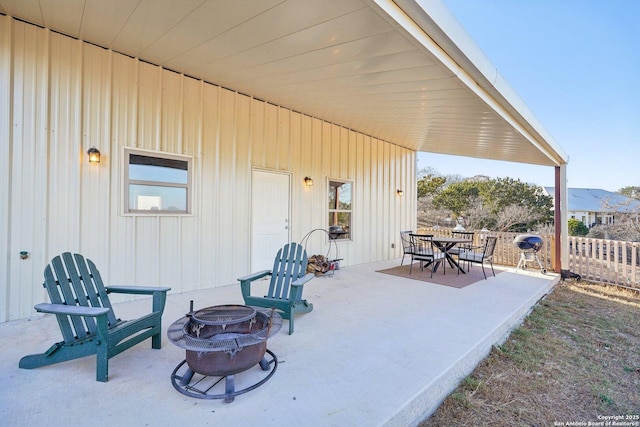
{"x": 68, "y": 96}
{"x": 242, "y": 186}
{"x": 191, "y": 235}
{"x": 169, "y": 265}
{"x": 5, "y": 159}
{"x": 121, "y": 260}
{"x": 270, "y": 137}
{"x": 148, "y": 110}
{"x": 225, "y": 233}
{"x": 65, "y": 143}
{"x": 209, "y": 192}
{"x": 296, "y": 158}
{"x": 27, "y": 170}
{"x": 96, "y": 132}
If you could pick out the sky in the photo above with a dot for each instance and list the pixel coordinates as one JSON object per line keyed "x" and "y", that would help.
{"x": 576, "y": 65}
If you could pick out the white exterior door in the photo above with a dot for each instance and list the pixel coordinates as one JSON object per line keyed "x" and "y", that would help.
{"x": 270, "y": 199}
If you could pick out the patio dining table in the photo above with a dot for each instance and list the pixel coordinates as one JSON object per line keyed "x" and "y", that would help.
{"x": 445, "y": 244}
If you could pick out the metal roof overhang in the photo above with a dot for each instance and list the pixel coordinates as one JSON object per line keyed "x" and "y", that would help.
{"x": 402, "y": 71}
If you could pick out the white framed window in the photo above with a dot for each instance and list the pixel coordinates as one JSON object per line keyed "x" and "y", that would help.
{"x": 157, "y": 183}
{"x": 340, "y": 199}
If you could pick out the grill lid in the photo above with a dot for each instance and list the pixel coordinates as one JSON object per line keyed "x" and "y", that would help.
{"x": 528, "y": 242}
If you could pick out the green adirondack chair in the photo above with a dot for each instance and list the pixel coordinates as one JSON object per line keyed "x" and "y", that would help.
{"x": 86, "y": 319}
{"x": 288, "y": 277}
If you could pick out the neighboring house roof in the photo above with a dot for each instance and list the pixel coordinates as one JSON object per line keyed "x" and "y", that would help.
{"x": 404, "y": 71}
{"x": 596, "y": 200}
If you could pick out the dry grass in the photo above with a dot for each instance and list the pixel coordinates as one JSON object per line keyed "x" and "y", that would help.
{"x": 576, "y": 358}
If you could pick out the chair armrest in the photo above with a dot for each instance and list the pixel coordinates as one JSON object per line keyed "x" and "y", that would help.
{"x": 245, "y": 282}
{"x": 159, "y": 294}
{"x": 302, "y": 280}
{"x": 71, "y": 310}
{"x": 254, "y": 276}
{"x": 139, "y": 290}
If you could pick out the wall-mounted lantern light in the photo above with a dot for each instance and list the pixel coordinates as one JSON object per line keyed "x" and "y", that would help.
{"x": 308, "y": 181}
{"x": 400, "y": 192}
{"x": 94, "y": 155}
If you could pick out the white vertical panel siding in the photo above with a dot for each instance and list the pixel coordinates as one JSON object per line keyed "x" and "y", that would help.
{"x": 283, "y": 140}
{"x": 68, "y": 96}
{"x": 228, "y": 197}
{"x": 96, "y": 132}
{"x": 148, "y": 110}
{"x": 124, "y": 131}
{"x": 27, "y": 170}
{"x": 171, "y": 112}
{"x": 270, "y": 137}
{"x": 65, "y": 143}
{"x": 188, "y": 253}
{"x": 208, "y": 191}
{"x": 242, "y": 186}
{"x": 305, "y": 209}
{"x": 5, "y": 158}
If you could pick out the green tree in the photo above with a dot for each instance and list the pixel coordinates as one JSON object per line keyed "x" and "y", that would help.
{"x": 504, "y": 204}
{"x": 430, "y": 185}
{"x": 633, "y": 192}
{"x": 459, "y": 198}
{"x": 577, "y": 228}
{"x": 512, "y": 195}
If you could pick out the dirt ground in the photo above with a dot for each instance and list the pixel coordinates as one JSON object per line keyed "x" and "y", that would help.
{"x": 575, "y": 361}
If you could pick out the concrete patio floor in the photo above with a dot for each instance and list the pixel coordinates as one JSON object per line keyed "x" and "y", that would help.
{"x": 377, "y": 350}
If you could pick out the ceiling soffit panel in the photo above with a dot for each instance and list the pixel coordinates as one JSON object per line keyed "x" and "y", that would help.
{"x": 210, "y": 20}
{"x": 282, "y": 21}
{"x": 102, "y": 25}
{"x": 363, "y": 64}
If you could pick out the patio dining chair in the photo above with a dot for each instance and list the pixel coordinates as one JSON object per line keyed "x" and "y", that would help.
{"x": 463, "y": 246}
{"x": 405, "y": 238}
{"x": 482, "y": 255}
{"x": 424, "y": 251}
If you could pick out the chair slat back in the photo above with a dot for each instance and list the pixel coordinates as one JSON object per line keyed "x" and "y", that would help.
{"x": 422, "y": 244}
{"x": 72, "y": 280}
{"x": 489, "y": 247}
{"x": 464, "y": 235}
{"x": 289, "y": 265}
{"x": 405, "y": 237}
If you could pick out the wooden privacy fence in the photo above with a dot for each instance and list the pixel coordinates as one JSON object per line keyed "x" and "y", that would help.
{"x": 606, "y": 261}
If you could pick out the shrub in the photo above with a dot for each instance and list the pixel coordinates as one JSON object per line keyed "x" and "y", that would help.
{"x": 577, "y": 228}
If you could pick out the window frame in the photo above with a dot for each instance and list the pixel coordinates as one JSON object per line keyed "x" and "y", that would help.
{"x": 127, "y": 182}
{"x": 331, "y": 211}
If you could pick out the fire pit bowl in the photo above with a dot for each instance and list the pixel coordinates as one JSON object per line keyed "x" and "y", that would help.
{"x": 221, "y": 341}
{"x": 225, "y": 339}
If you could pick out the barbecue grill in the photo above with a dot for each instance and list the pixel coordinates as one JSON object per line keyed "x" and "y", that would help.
{"x": 529, "y": 246}
{"x": 221, "y": 341}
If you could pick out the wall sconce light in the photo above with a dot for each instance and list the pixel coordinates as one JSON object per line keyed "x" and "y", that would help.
{"x": 400, "y": 192}
{"x": 308, "y": 181}
{"x": 94, "y": 155}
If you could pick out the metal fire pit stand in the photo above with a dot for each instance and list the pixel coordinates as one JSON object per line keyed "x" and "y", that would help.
{"x": 221, "y": 341}
{"x": 201, "y": 386}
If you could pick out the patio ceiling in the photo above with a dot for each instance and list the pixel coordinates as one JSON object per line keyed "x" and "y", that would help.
{"x": 402, "y": 71}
